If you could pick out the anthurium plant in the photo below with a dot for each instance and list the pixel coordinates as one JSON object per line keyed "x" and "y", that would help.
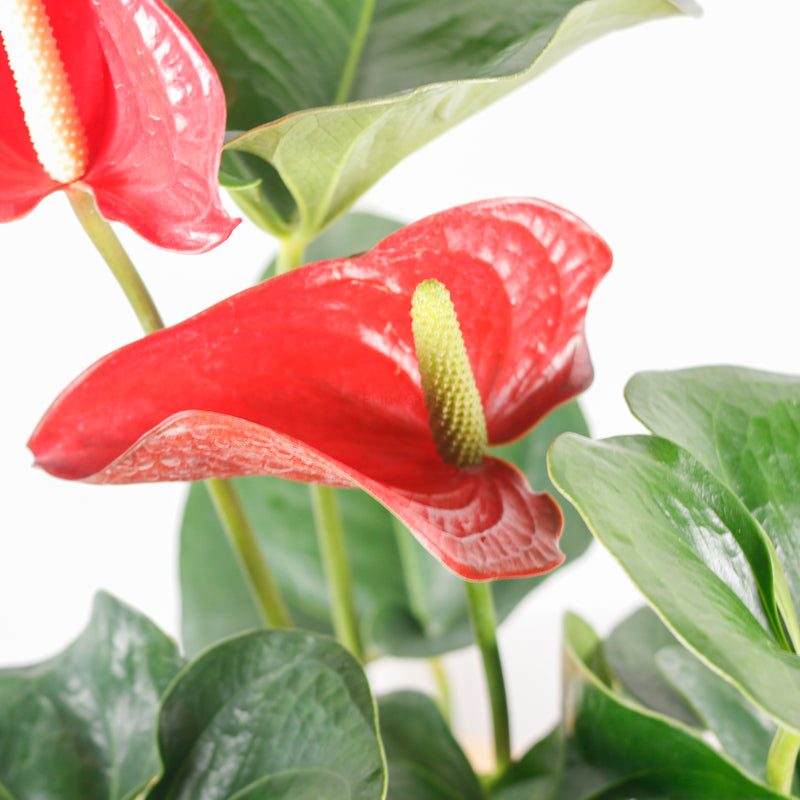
{"x": 382, "y": 435}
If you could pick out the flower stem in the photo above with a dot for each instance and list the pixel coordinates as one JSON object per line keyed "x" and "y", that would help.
{"x": 223, "y": 493}
{"x": 110, "y": 248}
{"x": 443, "y": 687}
{"x": 412, "y": 574}
{"x": 231, "y": 512}
{"x": 290, "y": 253}
{"x": 481, "y": 611}
{"x": 330, "y": 536}
{"x": 782, "y": 760}
{"x": 327, "y": 519}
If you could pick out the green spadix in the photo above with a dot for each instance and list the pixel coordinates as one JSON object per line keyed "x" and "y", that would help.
{"x": 452, "y": 399}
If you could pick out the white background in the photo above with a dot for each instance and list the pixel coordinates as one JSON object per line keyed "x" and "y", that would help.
{"x": 677, "y": 140}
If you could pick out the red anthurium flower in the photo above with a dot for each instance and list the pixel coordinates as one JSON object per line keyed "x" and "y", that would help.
{"x": 114, "y": 96}
{"x": 315, "y": 376}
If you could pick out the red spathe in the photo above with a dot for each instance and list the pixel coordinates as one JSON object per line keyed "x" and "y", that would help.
{"x": 154, "y": 114}
{"x": 313, "y": 376}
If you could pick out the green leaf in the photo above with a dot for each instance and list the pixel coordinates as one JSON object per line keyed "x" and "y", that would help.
{"x": 538, "y": 775}
{"x": 631, "y": 650}
{"x": 82, "y": 725}
{"x": 412, "y": 69}
{"x": 665, "y": 677}
{"x": 744, "y": 426}
{"x": 270, "y": 714}
{"x": 744, "y": 733}
{"x": 297, "y": 785}
{"x": 397, "y": 617}
{"x": 693, "y": 549}
{"x": 637, "y": 753}
{"x": 424, "y": 760}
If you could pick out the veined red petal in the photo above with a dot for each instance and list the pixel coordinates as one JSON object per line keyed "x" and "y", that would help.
{"x": 483, "y": 522}
{"x": 313, "y": 376}
{"x": 158, "y": 170}
{"x": 154, "y": 113}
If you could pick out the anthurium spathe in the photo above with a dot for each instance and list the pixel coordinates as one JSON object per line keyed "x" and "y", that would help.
{"x": 316, "y": 376}
{"x": 115, "y": 97}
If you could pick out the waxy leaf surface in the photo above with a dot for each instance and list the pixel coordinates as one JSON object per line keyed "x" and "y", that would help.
{"x": 744, "y": 732}
{"x": 647, "y": 660}
{"x": 744, "y": 425}
{"x": 694, "y": 551}
{"x": 312, "y": 376}
{"x": 609, "y": 746}
{"x": 270, "y": 714}
{"x": 83, "y": 724}
{"x": 423, "y": 759}
{"x": 636, "y": 753}
{"x": 407, "y": 71}
{"x": 154, "y": 115}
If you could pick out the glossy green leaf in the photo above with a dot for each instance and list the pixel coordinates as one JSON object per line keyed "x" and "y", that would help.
{"x": 539, "y": 774}
{"x": 270, "y": 714}
{"x": 631, "y": 650}
{"x": 692, "y": 548}
{"x": 645, "y": 657}
{"x": 410, "y": 70}
{"x": 82, "y": 725}
{"x": 639, "y": 754}
{"x": 424, "y": 760}
{"x": 744, "y": 426}
{"x": 408, "y": 604}
{"x": 744, "y": 733}
{"x": 297, "y": 785}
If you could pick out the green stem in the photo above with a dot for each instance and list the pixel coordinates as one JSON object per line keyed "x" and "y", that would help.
{"x": 223, "y": 493}
{"x": 333, "y": 551}
{"x": 231, "y": 512}
{"x": 327, "y": 519}
{"x": 481, "y": 611}
{"x": 782, "y": 760}
{"x": 356, "y": 48}
{"x": 443, "y": 687}
{"x": 290, "y": 254}
{"x": 110, "y": 248}
{"x": 412, "y": 574}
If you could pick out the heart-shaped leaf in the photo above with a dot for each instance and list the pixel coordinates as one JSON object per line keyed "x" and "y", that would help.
{"x": 424, "y": 760}
{"x": 270, "y": 714}
{"x": 410, "y": 70}
{"x": 409, "y": 605}
{"x": 83, "y": 724}
{"x": 637, "y": 753}
{"x": 693, "y": 549}
{"x": 744, "y": 425}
